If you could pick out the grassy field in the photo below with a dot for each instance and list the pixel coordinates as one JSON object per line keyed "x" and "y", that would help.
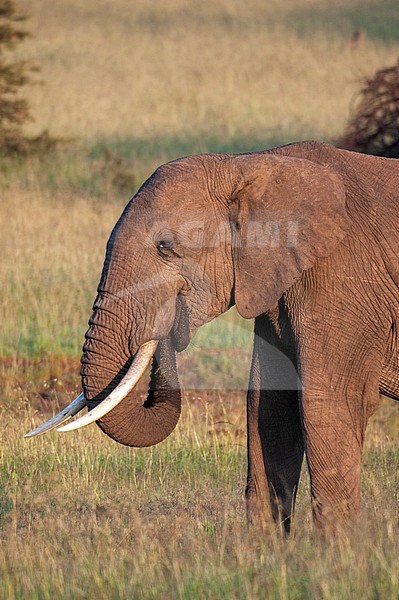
{"x": 82, "y": 517}
{"x": 255, "y": 71}
{"x": 127, "y": 86}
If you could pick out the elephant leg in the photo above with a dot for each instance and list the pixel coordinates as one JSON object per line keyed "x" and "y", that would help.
{"x": 275, "y": 438}
{"x": 338, "y": 397}
{"x": 334, "y": 444}
{"x": 257, "y": 491}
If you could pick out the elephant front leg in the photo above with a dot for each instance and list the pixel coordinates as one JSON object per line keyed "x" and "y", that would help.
{"x": 259, "y": 512}
{"x": 275, "y": 438}
{"x": 276, "y": 451}
{"x": 283, "y": 450}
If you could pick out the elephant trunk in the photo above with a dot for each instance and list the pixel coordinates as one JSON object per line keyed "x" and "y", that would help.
{"x": 134, "y": 421}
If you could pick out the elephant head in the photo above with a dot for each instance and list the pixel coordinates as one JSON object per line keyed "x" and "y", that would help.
{"x": 203, "y": 233}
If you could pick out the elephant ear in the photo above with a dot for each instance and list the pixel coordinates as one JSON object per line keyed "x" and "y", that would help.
{"x": 285, "y": 214}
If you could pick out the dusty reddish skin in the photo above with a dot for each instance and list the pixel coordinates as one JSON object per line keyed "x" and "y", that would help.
{"x": 324, "y": 292}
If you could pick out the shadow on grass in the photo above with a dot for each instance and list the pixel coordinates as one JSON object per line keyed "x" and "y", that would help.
{"x": 134, "y": 159}
{"x": 116, "y": 168}
{"x": 379, "y": 20}
{"x": 173, "y": 146}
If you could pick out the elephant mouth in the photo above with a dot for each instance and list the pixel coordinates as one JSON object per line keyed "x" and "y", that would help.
{"x": 180, "y": 332}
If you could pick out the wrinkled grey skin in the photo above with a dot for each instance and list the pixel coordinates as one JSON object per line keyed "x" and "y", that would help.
{"x": 305, "y": 239}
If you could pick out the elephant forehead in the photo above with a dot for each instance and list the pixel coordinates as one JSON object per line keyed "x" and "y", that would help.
{"x": 172, "y": 206}
{"x": 180, "y": 219}
{"x": 174, "y": 197}
{"x": 184, "y": 183}
{"x": 181, "y": 201}
{"x": 178, "y": 214}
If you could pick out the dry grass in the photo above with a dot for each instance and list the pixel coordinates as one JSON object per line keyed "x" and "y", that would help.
{"x": 81, "y": 516}
{"x": 52, "y": 251}
{"x": 273, "y": 70}
{"x": 139, "y": 83}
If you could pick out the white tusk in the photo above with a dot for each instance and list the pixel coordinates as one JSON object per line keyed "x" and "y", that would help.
{"x": 135, "y": 372}
{"x": 65, "y": 414}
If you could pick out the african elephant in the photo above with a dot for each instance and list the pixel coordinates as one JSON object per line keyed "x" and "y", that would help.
{"x": 304, "y": 238}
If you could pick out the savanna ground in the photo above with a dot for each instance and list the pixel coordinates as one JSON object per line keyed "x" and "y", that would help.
{"x": 127, "y": 86}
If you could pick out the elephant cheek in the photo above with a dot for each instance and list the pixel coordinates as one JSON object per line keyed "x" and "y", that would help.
{"x": 164, "y": 319}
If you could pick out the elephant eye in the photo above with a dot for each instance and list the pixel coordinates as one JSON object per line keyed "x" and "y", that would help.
{"x": 165, "y": 246}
